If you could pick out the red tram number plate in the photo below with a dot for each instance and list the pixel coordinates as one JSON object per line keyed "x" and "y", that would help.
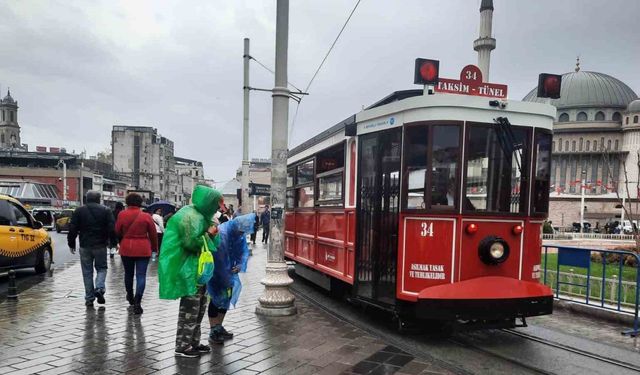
{"x": 427, "y": 251}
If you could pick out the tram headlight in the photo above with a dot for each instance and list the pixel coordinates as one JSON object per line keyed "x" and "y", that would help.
{"x": 493, "y": 250}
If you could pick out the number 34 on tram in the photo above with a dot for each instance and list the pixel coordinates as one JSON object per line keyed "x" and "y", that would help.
{"x": 429, "y": 203}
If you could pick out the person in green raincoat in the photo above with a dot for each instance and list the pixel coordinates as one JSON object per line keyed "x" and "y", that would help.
{"x": 178, "y": 265}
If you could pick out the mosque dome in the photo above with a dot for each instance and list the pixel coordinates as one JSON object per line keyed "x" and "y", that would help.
{"x": 634, "y": 106}
{"x": 589, "y": 89}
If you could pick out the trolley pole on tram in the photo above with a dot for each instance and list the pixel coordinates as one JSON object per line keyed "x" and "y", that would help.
{"x": 277, "y": 300}
{"x": 246, "y": 207}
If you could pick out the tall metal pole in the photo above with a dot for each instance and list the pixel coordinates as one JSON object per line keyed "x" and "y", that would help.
{"x": 246, "y": 206}
{"x": 64, "y": 181}
{"x": 277, "y": 300}
{"x": 582, "y": 203}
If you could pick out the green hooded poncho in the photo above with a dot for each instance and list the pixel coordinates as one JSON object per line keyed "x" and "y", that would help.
{"x": 182, "y": 242}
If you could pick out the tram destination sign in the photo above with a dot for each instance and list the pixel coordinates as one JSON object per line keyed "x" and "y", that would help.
{"x": 259, "y": 189}
{"x": 470, "y": 83}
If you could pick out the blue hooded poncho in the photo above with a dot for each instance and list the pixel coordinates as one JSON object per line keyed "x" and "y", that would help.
{"x": 224, "y": 287}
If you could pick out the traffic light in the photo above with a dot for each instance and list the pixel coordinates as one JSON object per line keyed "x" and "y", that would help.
{"x": 549, "y": 85}
{"x": 426, "y": 72}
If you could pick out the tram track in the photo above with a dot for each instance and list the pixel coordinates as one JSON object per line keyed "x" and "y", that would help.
{"x": 443, "y": 356}
{"x": 581, "y": 352}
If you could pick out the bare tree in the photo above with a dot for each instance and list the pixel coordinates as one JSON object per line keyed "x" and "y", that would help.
{"x": 631, "y": 210}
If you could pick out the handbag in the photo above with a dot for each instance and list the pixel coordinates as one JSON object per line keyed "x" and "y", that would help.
{"x": 205, "y": 263}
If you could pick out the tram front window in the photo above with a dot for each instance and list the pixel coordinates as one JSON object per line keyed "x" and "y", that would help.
{"x": 497, "y": 169}
{"x": 541, "y": 184}
{"x": 432, "y": 154}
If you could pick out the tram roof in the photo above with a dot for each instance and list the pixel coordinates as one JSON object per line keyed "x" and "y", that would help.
{"x": 448, "y": 105}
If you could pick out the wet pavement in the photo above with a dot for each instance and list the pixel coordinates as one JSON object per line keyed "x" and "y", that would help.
{"x": 49, "y": 331}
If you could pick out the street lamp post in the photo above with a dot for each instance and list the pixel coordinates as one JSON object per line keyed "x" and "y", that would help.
{"x": 277, "y": 300}
{"x": 245, "y": 133}
{"x": 582, "y": 182}
{"x": 64, "y": 180}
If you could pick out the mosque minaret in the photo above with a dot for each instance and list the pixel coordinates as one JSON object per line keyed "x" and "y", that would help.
{"x": 485, "y": 42}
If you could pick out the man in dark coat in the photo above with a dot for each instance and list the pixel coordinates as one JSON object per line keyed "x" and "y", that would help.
{"x": 265, "y": 219}
{"x": 94, "y": 224}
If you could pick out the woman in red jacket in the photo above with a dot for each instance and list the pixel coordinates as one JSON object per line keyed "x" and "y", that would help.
{"x": 138, "y": 237}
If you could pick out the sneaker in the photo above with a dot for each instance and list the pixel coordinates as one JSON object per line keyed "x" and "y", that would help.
{"x": 202, "y": 348}
{"x": 88, "y": 303}
{"x": 130, "y": 299}
{"x": 187, "y": 353}
{"x": 100, "y": 297}
{"x": 226, "y": 334}
{"x": 216, "y": 337}
{"x": 137, "y": 310}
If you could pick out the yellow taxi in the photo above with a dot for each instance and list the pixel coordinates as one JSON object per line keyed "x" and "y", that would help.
{"x": 63, "y": 219}
{"x": 23, "y": 241}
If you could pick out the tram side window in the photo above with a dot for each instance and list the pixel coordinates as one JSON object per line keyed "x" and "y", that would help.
{"x": 291, "y": 194}
{"x": 329, "y": 175}
{"x": 541, "y": 185}
{"x": 496, "y": 169}
{"x": 304, "y": 184}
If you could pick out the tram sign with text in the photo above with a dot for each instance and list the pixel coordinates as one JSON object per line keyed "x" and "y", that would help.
{"x": 470, "y": 83}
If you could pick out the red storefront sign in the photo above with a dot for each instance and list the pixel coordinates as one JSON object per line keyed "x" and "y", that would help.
{"x": 470, "y": 83}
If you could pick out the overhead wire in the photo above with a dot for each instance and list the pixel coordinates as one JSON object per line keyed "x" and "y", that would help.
{"x": 293, "y": 123}
{"x": 272, "y": 72}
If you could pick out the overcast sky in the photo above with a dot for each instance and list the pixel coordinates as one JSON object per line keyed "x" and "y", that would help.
{"x": 77, "y": 67}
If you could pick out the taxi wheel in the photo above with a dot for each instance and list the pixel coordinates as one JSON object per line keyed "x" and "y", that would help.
{"x": 44, "y": 261}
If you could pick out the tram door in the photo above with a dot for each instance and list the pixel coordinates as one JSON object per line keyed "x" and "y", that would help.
{"x": 377, "y": 209}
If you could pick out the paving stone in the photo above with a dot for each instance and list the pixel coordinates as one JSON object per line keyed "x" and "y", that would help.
{"x": 108, "y": 339}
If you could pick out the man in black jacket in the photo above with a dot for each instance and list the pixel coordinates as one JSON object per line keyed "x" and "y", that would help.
{"x": 95, "y": 225}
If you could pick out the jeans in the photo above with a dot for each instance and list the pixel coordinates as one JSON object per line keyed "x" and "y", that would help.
{"x": 139, "y": 266}
{"x": 90, "y": 258}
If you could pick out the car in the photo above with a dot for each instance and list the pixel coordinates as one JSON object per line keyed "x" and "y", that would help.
{"x": 46, "y": 216}
{"x": 24, "y": 243}
{"x": 63, "y": 219}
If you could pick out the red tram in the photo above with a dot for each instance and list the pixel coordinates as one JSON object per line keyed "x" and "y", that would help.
{"x": 430, "y": 206}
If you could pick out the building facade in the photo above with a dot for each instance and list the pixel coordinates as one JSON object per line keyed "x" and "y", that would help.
{"x": 147, "y": 157}
{"x": 9, "y": 127}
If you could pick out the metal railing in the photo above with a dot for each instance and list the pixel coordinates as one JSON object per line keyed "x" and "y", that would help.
{"x": 602, "y": 278}
{"x": 587, "y": 236}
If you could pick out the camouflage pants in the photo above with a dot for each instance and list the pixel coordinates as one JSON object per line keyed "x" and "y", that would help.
{"x": 192, "y": 309}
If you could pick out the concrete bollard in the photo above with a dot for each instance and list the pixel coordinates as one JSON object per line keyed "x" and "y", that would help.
{"x": 12, "y": 290}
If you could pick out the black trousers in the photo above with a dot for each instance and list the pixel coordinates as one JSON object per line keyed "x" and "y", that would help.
{"x": 265, "y": 233}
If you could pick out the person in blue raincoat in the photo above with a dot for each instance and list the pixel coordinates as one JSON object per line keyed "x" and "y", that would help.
{"x": 231, "y": 258}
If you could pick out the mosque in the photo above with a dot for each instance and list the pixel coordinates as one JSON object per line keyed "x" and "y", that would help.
{"x": 596, "y": 140}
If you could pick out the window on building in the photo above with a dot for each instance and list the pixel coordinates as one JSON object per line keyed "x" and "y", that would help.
{"x": 12, "y": 114}
{"x": 560, "y": 144}
{"x": 626, "y": 121}
{"x": 580, "y": 146}
{"x": 3, "y": 119}
{"x": 553, "y": 146}
{"x": 573, "y": 145}
{"x": 616, "y": 145}
{"x": 602, "y": 143}
{"x": 588, "y": 145}
{"x": 599, "y": 116}
{"x": 609, "y": 145}
{"x": 566, "y": 145}
{"x": 635, "y": 119}
{"x": 616, "y": 116}
{"x": 564, "y": 117}
{"x": 582, "y": 116}
{"x": 595, "y": 145}
{"x": 2, "y": 138}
